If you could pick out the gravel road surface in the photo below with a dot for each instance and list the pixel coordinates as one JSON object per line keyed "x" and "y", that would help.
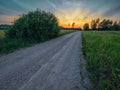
{"x": 53, "y": 65}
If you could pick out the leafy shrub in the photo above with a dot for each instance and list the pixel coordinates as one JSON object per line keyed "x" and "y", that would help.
{"x": 36, "y": 25}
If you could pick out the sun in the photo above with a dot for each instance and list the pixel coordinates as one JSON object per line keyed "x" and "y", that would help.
{"x": 68, "y": 17}
{"x": 78, "y": 16}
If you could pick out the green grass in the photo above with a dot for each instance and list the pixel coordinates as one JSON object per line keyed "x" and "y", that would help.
{"x": 102, "y": 50}
{"x": 7, "y": 45}
{"x": 63, "y": 32}
{"x": 2, "y": 34}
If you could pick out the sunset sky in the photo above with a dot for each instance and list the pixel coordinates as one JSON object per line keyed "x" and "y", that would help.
{"x": 67, "y": 11}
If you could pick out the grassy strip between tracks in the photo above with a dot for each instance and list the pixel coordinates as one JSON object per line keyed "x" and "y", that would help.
{"x": 102, "y": 51}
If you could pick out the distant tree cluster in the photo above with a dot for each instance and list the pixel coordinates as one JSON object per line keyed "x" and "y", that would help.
{"x": 86, "y": 26}
{"x": 4, "y": 26}
{"x": 105, "y": 24}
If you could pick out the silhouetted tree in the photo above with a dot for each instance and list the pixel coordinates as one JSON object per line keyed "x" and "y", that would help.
{"x": 105, "y": 24}
{"x": 119, "y": 25}
{"x": 97, "y": 22}
{"x": 69, "y": 24}
{"x": 115, "y": 26}
{"x": 73, "y": 24}
{"x": 102, "y": 24}
{"x": 109, "y": 24}
{"x": 86, "y": 27}
{"x": 94, "y": 24}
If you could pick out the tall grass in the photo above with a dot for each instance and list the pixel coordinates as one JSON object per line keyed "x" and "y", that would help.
{"x": 9, "y": 45}
{"x": 102, "y": 50}
{"x": 2, "y": 34}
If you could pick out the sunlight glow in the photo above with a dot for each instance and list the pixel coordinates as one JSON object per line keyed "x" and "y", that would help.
{"x": 5, "y": 19}
{"x": 78, "y": 16}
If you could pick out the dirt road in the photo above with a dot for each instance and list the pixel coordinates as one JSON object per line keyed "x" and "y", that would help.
{"x": 53, "y": 65}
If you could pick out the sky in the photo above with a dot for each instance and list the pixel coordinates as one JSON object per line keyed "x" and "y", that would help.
{"x": 67, "y": 11}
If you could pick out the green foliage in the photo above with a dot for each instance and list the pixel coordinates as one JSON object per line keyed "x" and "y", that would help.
{"x": 2, "y": 34}
{"x": 9, "y": 45}
{"x": 86, "y": 26}
{"x": 37, "y": 25}
{"x": 105, "y": 24}
{"x": 102, "y": 49}
{"x": 94, "y": 24}
{"x": 115, "y": 26}
{"x": 30, "y": 28}
{"x": 4, "y": 26}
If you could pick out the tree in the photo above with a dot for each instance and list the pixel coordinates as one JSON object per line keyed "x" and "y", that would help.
{"x": 86, "y": 26}
{"x": 115, "y": 26}
{"x": 37, "y": 25}
{"x": 94, "y": 24}
{"x": 119, "y": 25}
{"x": 73, "y": 24}
{"x": 105, "y": 24}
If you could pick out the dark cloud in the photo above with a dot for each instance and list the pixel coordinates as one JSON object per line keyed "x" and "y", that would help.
{"x": 107, "y": 7}
{"x": 113, "y": 11}
{"x": 15, "y": 7}
{"x": 10, "y": 7}
{"x": 19, "y": 6}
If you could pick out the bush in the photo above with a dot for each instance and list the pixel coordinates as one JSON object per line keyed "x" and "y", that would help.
{"x": 37, "y": 25}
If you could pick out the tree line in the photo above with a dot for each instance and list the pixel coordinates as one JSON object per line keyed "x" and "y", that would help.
{"x": 4, "y": 26}
{"x": 105, "y": 24}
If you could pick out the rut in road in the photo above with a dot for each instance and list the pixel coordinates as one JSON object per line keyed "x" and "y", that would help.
{"x": 54, "y": 65}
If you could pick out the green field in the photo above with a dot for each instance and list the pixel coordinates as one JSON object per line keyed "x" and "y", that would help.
{"x": 102, "y": 50}
{"x": 63, "y": 32}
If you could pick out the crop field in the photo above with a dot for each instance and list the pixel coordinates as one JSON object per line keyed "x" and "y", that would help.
{"x": 102, "y": 50}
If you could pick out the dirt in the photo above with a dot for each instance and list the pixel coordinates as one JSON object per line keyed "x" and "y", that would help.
{"x": 57, "y": 64}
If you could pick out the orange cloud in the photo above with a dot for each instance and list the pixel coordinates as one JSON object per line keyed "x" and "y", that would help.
{"x": 5, "y": 19}
{"x": 78, "y": 16}
{"x": 67, "y": 17}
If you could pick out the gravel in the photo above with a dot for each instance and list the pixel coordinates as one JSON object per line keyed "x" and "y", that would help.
{"x": 53, "y": 65}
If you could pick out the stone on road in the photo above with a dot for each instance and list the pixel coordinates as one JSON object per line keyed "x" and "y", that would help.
{"x": 53, "y": 65}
